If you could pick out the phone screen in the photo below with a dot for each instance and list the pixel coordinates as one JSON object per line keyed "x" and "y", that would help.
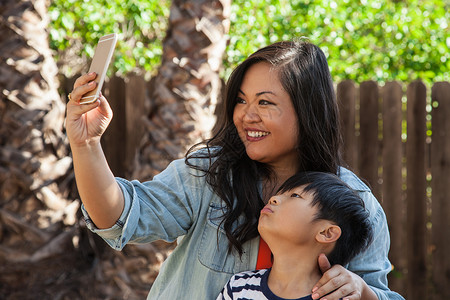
{"x": 100, "y": 62}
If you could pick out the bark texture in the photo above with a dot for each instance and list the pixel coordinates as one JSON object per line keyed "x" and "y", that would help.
{"x": 187, "y": 86}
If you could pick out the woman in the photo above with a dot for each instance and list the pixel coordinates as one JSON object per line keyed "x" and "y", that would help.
{"x": 281, "y": 117}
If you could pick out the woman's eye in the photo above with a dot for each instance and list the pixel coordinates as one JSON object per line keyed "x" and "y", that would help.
{"x": 240, "y": 100}
{"x": 295, "y": 195}
{"x": 264, "y": 102}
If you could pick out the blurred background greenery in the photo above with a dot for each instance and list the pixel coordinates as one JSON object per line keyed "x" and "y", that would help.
{"x": 378, "y": 40}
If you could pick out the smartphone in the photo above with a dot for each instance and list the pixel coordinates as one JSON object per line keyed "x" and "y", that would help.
{"x": 100, "y": 62}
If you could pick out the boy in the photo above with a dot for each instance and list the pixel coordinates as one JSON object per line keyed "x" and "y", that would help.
{"x": 312, "y": 213}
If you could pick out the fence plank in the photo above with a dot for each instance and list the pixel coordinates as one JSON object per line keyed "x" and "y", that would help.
{"x": 346, "y": 96}
{"x": 416, "y": 191}
{"x": 114, "y": 139}
{"x": 368, "y": 137}
{"x": 135, "y": 110}
{"x": 392, "y": 198}
{"x": 440, "y": 184}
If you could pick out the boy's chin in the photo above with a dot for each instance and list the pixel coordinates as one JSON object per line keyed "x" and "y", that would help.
{"x": 263, "y": 231}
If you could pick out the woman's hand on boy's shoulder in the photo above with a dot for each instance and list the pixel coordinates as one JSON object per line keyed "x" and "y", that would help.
{"x": 339, "y": 283}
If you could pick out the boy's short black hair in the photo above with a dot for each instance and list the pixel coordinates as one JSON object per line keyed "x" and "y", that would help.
{"x": 339, "y": 203}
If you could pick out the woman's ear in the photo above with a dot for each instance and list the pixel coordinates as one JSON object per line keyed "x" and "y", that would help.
{"x": 329, "y": 234}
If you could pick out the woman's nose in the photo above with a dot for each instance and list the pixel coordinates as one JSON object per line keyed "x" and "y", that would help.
{"x": 251, "y": 114}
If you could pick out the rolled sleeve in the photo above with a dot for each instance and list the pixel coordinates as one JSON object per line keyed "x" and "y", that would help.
{"x": 161, "y": 209}
{"x": 112, "y": 235}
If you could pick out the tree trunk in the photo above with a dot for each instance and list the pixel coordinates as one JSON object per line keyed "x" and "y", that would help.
{"x": 34, "y": 161}
{"x": 35, "y": 168}
{"x": 187, "y": 86}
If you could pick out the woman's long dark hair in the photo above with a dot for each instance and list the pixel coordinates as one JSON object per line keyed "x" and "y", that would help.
{"x": 304, "y": 73}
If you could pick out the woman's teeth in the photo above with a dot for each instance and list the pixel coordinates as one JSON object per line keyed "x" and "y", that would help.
{"x": 255, "y": 134}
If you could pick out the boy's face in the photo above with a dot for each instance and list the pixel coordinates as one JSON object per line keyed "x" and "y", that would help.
{"x": 289, "y": 217}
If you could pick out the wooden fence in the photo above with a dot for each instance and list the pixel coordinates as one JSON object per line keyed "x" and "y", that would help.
{"x": 400, "y": 144}
{"x": 396, "y": 137}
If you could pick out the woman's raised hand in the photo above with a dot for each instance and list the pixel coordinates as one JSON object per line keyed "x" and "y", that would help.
{"x": 85, "y": 123}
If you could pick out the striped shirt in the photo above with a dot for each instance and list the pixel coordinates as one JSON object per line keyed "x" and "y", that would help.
{"x": 250, "y": 285}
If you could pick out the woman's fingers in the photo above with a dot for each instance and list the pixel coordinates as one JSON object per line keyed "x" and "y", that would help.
{"x": 104, "y": 107}
{"x": 327, "y": 284}
{"x": 345, "y": 292}
{"x": 82, "y": 85}
{"x": 83, "y": 79}
{"x": 324, "y": 263}
{"x": 76, "y": 109}
{"x": 337, "y": 283}
{"x": 78, "y": 92}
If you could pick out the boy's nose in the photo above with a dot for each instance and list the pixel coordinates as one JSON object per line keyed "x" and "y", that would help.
{"x": 274, "y": 200}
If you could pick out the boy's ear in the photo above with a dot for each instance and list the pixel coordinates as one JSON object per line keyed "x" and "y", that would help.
{"x": 329, "y": 234}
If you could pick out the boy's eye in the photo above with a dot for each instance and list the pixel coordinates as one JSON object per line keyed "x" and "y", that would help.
{"x": 295, "y": 195}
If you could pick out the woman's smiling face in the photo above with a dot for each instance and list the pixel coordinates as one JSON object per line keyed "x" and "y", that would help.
{"x": 265, "y": 118}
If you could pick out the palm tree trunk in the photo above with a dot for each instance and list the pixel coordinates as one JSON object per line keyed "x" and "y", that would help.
{"x": 35, "y": 175}
{"x": 187, "y": 86}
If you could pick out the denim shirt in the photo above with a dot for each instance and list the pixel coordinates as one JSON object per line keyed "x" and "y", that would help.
{"x": 179, "y": 202}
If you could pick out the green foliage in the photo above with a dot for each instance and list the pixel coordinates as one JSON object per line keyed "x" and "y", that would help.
{"x": 141, "y": 25}
{"x": 364, "y": 40}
